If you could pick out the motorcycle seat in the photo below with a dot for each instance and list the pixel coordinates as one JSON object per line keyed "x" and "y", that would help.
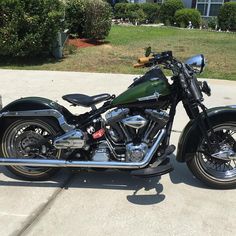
{"x": 85, "y": 100}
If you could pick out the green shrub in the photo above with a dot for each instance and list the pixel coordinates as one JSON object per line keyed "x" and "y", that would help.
{"x": 75, "y": 16}
{"x": 183, "y": 16}
{"x": 29, "y": 27}
{"x": 120, "y": 10}
{"x": 212, "y": 22}
{"x": 227, "y": 16}
{"x": 137, "y": 17}
{"x": 135, "y": 13}
{"x": 89, "y": 19}
{"x": 168, "y": 9}
{"x": 98, "y": 18}
{"x": 151, "y": 10}
{"x": 131, "y": 11}
{"x": 204, "y": 23}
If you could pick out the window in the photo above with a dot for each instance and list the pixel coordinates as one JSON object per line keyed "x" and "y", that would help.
{"x": 209, "y": 7}
{"x": 214, "y": 9}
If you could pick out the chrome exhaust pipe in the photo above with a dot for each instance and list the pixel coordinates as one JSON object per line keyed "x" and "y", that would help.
{"x": 92, "y": 164}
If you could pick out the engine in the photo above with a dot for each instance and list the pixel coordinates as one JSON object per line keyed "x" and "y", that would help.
{"x": 125, "y": 135}
{"x": 131, "y": 134}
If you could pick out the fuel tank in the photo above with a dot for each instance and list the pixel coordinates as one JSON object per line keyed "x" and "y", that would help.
{"x": 152, "y": 87}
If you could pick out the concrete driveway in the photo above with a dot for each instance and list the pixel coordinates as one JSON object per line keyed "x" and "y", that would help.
{"x": 110, "y": 203}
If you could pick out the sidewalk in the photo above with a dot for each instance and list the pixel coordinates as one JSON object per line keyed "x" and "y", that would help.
{"x": 110, "y": 203}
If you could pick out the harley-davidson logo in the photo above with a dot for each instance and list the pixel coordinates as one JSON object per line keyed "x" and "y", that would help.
{"x": 156, "y": 95}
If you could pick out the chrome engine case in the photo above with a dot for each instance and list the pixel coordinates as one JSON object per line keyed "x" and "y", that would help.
{"x": 73, "y": 140}
{"x": 101, "y": 153}
{"x": 136, "y": 153}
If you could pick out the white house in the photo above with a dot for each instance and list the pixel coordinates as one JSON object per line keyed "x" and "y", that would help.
{"x": 206, "y": 7}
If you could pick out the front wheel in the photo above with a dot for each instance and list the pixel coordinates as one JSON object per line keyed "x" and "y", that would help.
{"x": 214, "y": 172}
{"x": 30, "y": 139}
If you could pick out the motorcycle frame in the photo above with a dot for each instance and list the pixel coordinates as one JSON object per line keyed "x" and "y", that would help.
{"x": 41, "y": 107}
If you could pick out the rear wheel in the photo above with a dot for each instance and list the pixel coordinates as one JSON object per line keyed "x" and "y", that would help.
{"x": 215, "y": 172}
{"x": 30, "y": 139}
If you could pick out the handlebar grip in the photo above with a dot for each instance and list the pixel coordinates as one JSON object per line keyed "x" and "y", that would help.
{"x": 143, "y": 60}
{"x": 138, "y": 65}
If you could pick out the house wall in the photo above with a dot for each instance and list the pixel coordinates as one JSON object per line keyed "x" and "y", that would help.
{"x": 206, "y": 7}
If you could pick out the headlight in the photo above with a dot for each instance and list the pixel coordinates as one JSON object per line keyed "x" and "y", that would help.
{"x": 197, "y": 63}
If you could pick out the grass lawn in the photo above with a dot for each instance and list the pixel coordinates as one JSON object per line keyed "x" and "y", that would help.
{"x": 125, "y": 44}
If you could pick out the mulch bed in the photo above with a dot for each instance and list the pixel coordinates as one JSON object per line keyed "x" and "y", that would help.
{"x": 84, "y": 43}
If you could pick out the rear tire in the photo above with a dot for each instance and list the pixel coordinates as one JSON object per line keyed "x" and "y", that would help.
{"x": 20, "y": 133}
{"x": 213, "y": 172}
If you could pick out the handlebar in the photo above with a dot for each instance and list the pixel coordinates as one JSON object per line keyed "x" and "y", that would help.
{"x": 138, "y": 65}
{"x": 154, "y": 59}
{"x": 144, "y": 60}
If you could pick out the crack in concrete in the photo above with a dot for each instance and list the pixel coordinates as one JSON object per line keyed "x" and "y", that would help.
{"x": 43, "y": 208}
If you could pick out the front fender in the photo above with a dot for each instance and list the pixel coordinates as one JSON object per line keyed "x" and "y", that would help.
{"x": 191, "y": 134}
{"x": 36, "y": 107}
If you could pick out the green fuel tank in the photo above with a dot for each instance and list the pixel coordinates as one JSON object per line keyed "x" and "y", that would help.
{"x": 153, "y": 86}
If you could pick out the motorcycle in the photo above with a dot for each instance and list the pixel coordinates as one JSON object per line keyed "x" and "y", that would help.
{"x": 127, "y": 132}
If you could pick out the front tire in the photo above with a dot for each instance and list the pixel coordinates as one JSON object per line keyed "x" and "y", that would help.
{"x": 213, "y": 172}
{"x": 22, "y": 135}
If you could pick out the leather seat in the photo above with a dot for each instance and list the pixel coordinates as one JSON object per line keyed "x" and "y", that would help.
{"x": 85, "y": 100}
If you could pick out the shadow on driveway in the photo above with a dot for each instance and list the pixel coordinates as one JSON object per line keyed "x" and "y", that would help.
{"x": 112, "y": 179}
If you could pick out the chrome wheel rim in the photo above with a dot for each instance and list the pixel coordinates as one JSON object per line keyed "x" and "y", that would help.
{"x": 218, "y": 169}
{"x": 20, "y": 135}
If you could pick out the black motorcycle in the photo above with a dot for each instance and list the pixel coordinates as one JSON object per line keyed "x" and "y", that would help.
{"x": 130, "y": 131}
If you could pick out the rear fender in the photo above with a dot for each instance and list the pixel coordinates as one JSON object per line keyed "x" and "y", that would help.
{"x": 191, "y": 135}
{"x": 37, "y": 107}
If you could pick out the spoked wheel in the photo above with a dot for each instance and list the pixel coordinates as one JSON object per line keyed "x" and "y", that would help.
{"x": 30, "y": 139}
{"x": 215, "y": 172}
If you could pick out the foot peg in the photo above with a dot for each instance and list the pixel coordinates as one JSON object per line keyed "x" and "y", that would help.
{"x": 161, "y": 160}
{"x": 169, "y": 150}
{"x": 160, "y": 167}
{"x": 153, "y": 171}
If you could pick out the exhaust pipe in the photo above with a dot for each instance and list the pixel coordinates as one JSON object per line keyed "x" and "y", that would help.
{"x": 92, "y": 164}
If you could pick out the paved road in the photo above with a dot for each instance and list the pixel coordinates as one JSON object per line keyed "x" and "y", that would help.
{"x": 110, "y": 203}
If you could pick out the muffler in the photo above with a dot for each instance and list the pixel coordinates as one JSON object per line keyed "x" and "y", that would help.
{"x": 92, "y": 164}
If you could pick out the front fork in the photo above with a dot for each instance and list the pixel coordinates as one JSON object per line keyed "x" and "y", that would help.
{"x": 204, "y": 124}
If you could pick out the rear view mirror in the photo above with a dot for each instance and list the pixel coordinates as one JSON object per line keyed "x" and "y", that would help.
{"x": 197, "y": 63}
{"x": 148, "y": 51}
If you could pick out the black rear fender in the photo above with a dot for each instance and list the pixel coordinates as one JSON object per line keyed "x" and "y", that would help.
{"x": 36, "y": 107}
{"x": 191, "y": 135}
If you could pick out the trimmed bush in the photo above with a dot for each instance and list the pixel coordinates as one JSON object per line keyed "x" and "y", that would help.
{"x": 98, "y": 18}
{"x": 212, "y": 23}
{"x": 183, "y": 16}
{"x": 29, "y": 27}
{"x": 75, "y": 16}
{"x": 151, "y": 10}
{"x": 227, "y": 16}
{"x": 135, "y": 13}
{"x": 120, "y": 10}
{"x": 89, "y": 19}
{"x": 168, "y": 9}
{"x": 131, "y": 11}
